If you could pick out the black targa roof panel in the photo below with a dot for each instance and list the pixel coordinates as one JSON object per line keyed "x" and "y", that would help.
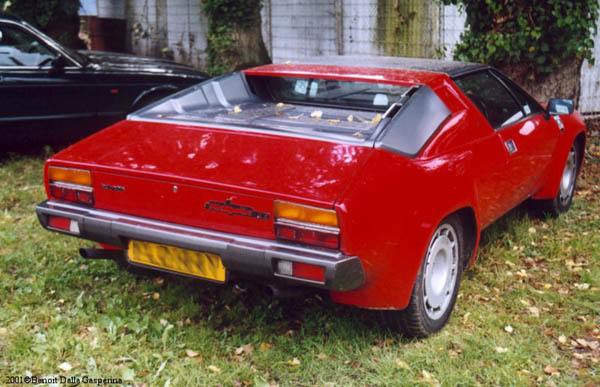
{"x": 452, "y": 68}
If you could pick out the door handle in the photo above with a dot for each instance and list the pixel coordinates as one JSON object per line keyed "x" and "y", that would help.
{"x": 510, "y": 145}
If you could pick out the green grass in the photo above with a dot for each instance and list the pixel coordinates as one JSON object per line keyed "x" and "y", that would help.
{"x": 104, "y": 322}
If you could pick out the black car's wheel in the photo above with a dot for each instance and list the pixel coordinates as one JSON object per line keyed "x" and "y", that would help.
{"x": 562, "y": 201}
{"x": 436, "y": 287}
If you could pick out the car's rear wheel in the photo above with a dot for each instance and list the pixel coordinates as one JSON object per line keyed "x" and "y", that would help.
{"x": 562, "y": 201}
{"x": 436, "y": 287}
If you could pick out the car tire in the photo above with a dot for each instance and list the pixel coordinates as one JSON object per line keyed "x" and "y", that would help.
{"x": 436, "y": 286}
{"x": 568, "y": 181}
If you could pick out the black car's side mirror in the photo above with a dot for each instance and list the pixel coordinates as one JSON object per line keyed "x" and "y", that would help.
{"x": 558, "y": 106}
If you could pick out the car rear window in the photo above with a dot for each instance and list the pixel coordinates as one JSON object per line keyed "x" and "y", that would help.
{"x": 338, "y": 109}
{"x": 346, "y": 94}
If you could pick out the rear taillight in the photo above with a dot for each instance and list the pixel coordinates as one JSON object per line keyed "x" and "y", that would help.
{"x": 300, "y": 270}
{"x": 64, "y": 224}
{"x": 304, "y": 224}
{"x": 74, "y": 185}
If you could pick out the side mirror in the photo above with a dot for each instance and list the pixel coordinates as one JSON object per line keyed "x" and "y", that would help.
{"x": 561, "y": 106}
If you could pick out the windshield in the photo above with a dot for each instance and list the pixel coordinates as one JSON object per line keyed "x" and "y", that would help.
{"x": 83, "y": 60}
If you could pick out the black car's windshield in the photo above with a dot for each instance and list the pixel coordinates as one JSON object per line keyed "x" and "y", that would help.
{"x": 82, "y": 59}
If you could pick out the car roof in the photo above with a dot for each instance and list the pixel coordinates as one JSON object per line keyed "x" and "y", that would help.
{"x": 449, "y": 67}
{"x": 10, "y": 16}
{"x": 396, "y": 70}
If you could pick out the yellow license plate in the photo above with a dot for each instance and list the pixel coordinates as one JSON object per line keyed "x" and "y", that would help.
{"x": 194, "y": 263}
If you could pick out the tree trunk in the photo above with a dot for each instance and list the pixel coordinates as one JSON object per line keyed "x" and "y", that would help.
{"x": 248, "y": 48}
{"x": 563, "y": 83}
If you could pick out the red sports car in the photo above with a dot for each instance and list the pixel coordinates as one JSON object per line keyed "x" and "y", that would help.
{"x": 371, "y": 178}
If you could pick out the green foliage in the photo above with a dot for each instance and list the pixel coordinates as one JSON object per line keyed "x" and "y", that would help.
{"x": 224, "y": 16}
{"x": 39, "y": 13}
{"x": 539, "y": 35}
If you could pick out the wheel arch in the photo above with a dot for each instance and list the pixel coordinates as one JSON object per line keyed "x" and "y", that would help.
{"x": 469, "y": 222}
{"x": 550, "y": 188}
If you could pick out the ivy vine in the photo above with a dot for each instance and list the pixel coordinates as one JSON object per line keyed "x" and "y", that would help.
{"x": 224, "y": 17}
{"x": 537, "y": 34}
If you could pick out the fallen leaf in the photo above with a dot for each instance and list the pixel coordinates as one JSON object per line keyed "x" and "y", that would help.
{"x": 265, "y": 346}
{"x": 550, "y": 370}
{"x": 294, "y": 362}
{"x": 65, "y": 367}
{"x": 501, "y": 349}
{"x": 350, "y": 118}
{"x": 427, "y": 377}
{"x": 316, "y": 114}
{"x": 295, "y": 117}
{"x": 188, "y": 321}
{"x": 156, "y": 296}
{"x": 190, "y": 353}
{"x": 214, "y": 369}
{"x": 376, "y": 119}
{"x": 237, "y": 109}
{"x": 163, "y": 322}
{"x": 333, "y": 121}
{"x": 582, "y": 286}
{"x": 562, "y": 339}
{"x": 535, "y": 312}
{"x": 159, "y": 281}
{"x": 322, "y": 356}
{"x": 247, "y": 349}
{"x": 532, "y": 230}
{"x": 3, "y": 331}
{"x": 357, "y": 134}
{"x": 280, "y": 104}
{"x": 466, "y": 317}
{"x": 508, "y": 329}
{"x": 402, "y": 364}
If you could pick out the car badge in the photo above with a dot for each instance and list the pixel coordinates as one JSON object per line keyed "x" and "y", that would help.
{"x": 231, "y": 209}
{"x": 510, "y": 145}
{"x": 116, "y": 188}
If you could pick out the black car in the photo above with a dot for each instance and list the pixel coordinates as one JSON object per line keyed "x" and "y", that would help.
{"x": 50, "y": 92}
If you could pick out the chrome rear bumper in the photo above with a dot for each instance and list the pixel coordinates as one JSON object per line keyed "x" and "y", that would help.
{"x": 249, "y": 256}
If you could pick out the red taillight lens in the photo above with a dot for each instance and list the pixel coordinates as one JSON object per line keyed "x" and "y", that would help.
{"x": 312, "y": 272}
{"x": 303, "y": 235}
{"x": 306, "y": 224}
{"x": 74, "y": 185}
{"x": 72, "y": 192}
{"x": 300, "y": 270}
{"x": 65, "y": 224}
{"x": 60, "y": 223}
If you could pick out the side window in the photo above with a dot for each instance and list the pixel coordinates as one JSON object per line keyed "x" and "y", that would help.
{"x": 529, "y": 105}
{"x": 19, "y": 48}
{"x": 491, "y": 98}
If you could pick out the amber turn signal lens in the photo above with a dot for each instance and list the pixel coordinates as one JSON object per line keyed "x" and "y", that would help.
{"x": 305, "y": 213}
{"x": 70, "y": 175}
